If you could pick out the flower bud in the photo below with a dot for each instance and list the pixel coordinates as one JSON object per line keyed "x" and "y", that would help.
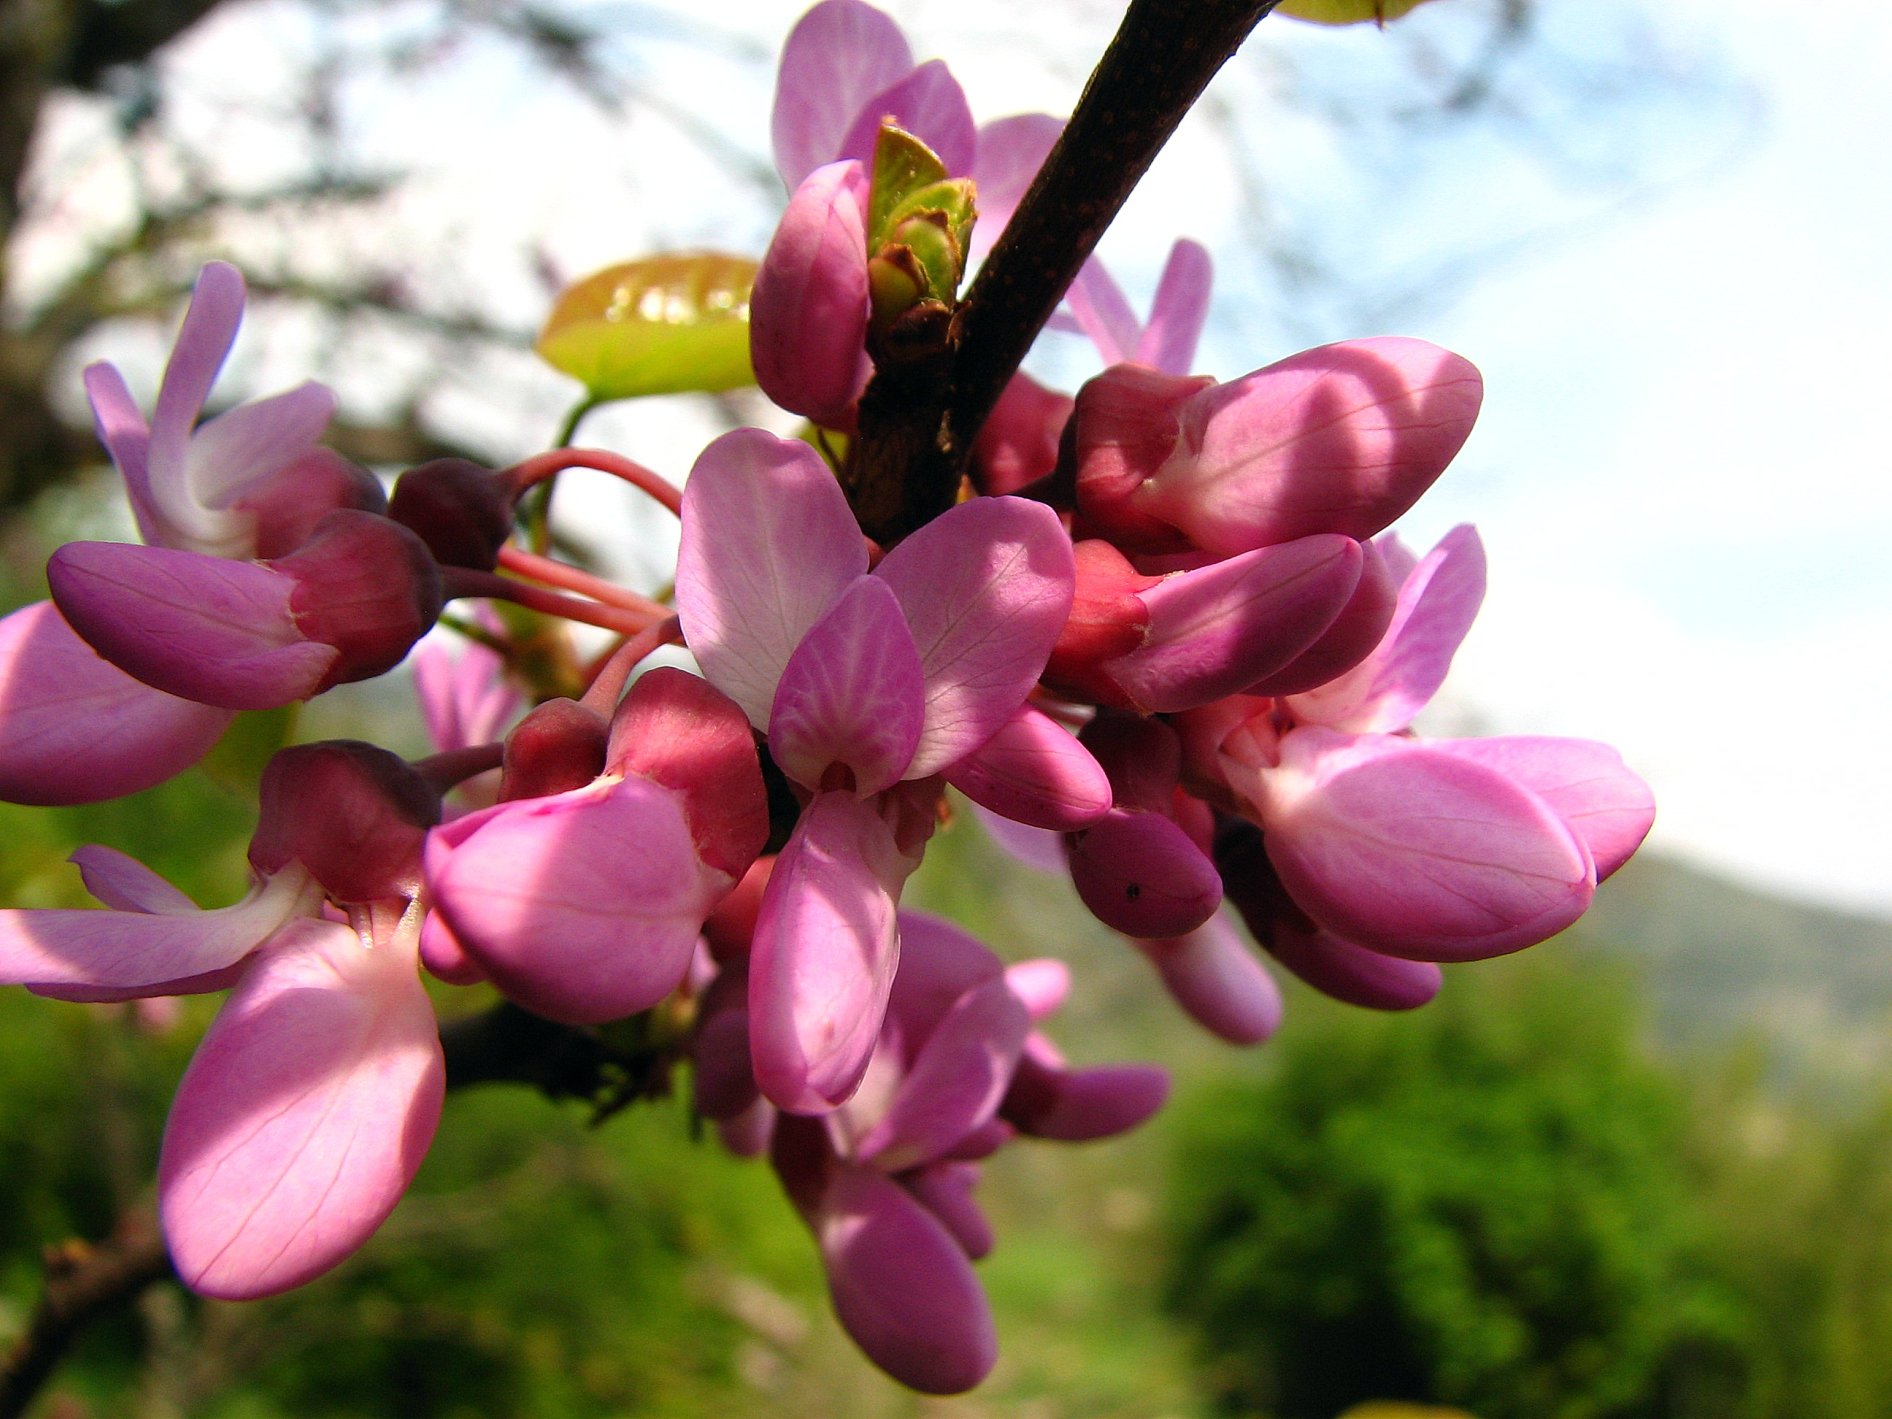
{"x": 557, "y": 747}
{"x": 366, "y": 586}
{"x": 354, "y": 815}
{"x": 288, "y": 504}
{"x": 460, "y": 510}
{"x": 1125, "y": 425}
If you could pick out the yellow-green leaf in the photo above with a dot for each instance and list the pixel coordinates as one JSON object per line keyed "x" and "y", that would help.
{"x": 1346, "y": 12}
{"x": 664, "y": 325}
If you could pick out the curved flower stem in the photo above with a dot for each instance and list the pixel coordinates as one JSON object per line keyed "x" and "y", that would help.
{"x": 562, "y": 574}
{"x": 602, "y": 694}
{"x": 453, "y": 767}
{"x": 463, "y": 581}
{"x": 906, "y": 467}
{"x": 541, "y": 466}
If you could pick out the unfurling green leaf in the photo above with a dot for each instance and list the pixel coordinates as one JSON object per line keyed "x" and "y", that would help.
{"x": 664, "y": 325}
{"x": 1346, "y": 12}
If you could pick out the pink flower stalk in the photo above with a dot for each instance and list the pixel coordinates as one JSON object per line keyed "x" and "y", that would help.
{"x": 885, "y": 1181}
{"x": 868, "y": 685}
{"x": 586, "y": 905}
{"x": 1429, "y": 850}
{"x": 314, "y": 1095}
{"x": 1340, "y": 439}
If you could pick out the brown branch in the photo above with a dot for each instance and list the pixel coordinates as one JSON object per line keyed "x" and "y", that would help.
{"x": 82, "y": 1280}
{"x": 913, "y": 449}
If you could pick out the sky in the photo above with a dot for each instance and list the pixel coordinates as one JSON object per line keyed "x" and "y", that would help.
{"x": 1664, "y": 241}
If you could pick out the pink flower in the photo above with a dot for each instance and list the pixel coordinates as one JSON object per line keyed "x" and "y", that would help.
{"x": 867, "y": 684}
{"x": 1431, "y": 850}
{"x": 313, "y": 1096}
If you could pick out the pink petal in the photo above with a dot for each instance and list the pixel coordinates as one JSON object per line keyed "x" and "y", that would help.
{"x": 443, "y": 955}
{"x": 1010, "y": 152}
{"x": 902, "y": 1286}
{"x": 986, "y": 589}
{"x": 1041, "y": 985}
{"x": 141, "y": 948}
{"x": 1219, "y": 982}
{"x": 1048, "y": 1100}
{"x": 125, "y": 884}
{"x": 824, "y": 954}
{"x": 200, "y": 627}
{"x": 203, "y": 342}
{"x": 127, "y": 438}
{"x": 683, "y": 733}
{"x": 1360, "y": 627}
{"x": 1437, "y": 604}
{"x": 945, "y": 1190}
{"x": 851, "y": 695}
{"x": 254, "y": 440}
{"x": 929, "y": 104}
{"x": 955, "y": 1082}
{"x": 1034, "y": 771}
{"x": 1177, "y": 311}
{"x": 1584, "y": 782}
{"x": 1215, "y": 631}
{"x": 838, "y": 56}
{"x": 1102, "y": 311}
{"x": 940, "y": 962}
{"x": 582, "y": 907}
{"x": 1352, "y": 973}
{"x": 768, "y": 543}
{"x": 74, "y": 728}
{"x": 1417, "y": 852}
{"x": 1140, "y": 874}
{"x": 808, "y": 310}
{"x": 303, "y": 1116}
{"x": 1342, "y": 439}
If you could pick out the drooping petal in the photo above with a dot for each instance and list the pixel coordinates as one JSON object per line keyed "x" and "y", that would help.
{"x": 838, "y": 56}
{"x": 74, "y": 728}
{"x": 955, "y": 1082}
{"x": 1034, "y": 771}
{"x": 824, "y": 953}
{"x": 1351, "y": 973}
{"x": 129, "y": 949}
{"x": 1217, "y": 630}
{"x": 902, "y": 1286}
{"x": 1342, "y": 439}
{"x": 809, "y": 307}
{"x": 768, "y": 543}
{"x": 986, "y": 589}
{"x": 1050, "y": 1100}
{"x": 1177, "y": 311}
{"x": 303, "y": 1116}
{"x": 852, "y": 694}
{"x": 1218, "y": 981}
{"x": 200, "y": 627}
{"x": 252, "y": 441}
{"x": 1584, "y": 782}
{"x": 1437, "y": 603}
{"x": 929, "y": 104}
{"x": 1417, "y": 852}
{"x": 582, "y": 907}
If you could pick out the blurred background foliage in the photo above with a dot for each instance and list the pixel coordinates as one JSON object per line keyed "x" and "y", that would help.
{"x": 1645, "y": 1170}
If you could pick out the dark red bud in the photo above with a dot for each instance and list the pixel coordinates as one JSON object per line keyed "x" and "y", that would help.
{"x": 353, "y": 814}
{"x": 366, "y": 586}
{"x": 1142, "y": 875}
{"x": 463, "y": 512}
{"x": 557, "y": 747}
{"x": 289, "y": 504}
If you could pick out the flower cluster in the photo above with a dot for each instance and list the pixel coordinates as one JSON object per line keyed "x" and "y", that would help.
{"x": 1165, "y": 643}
